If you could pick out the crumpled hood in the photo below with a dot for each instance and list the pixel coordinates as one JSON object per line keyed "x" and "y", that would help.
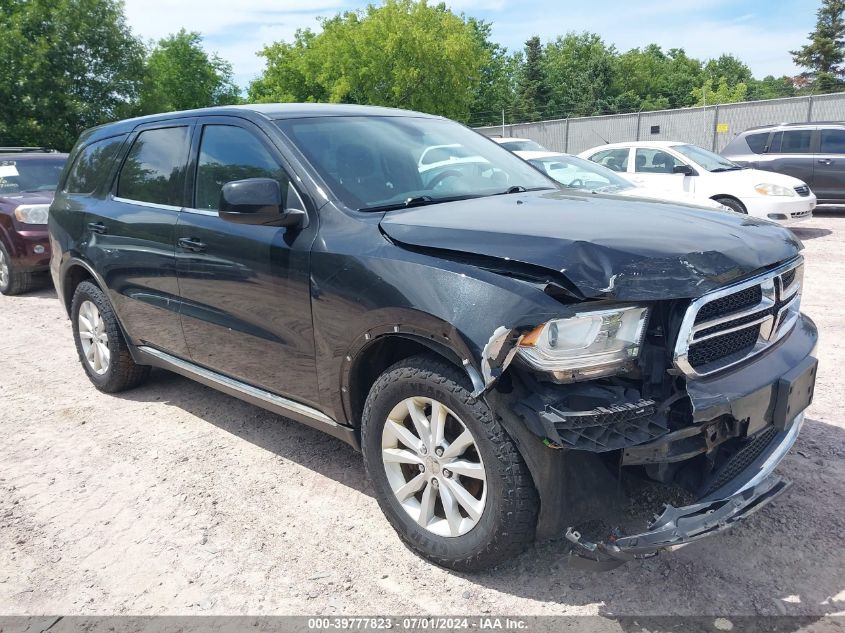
{"x": 606, "y": 246}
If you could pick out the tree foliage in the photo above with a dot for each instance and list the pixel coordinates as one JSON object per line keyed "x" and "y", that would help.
{"x": 65, "y": 65}
{"x": 403, "y": 54}
{"x": 180, "y": 75}
{"x": 824, "y": 55}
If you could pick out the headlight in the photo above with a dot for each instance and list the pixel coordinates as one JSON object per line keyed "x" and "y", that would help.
{"x": 768, "y": 189}
{"x": 32, "y": 213}
{"x": 587, "y": 345}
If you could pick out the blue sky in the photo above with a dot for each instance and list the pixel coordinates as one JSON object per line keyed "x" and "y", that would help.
{"x": 761, "y": 32}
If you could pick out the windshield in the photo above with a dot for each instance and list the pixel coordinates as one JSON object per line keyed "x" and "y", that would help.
{"x": 29, "y": 174}
{"x": 578, "y": 173}
{"x": 705, "y": 159}
{"x": 522, "y": 146}
{"x": 382, "y": 162}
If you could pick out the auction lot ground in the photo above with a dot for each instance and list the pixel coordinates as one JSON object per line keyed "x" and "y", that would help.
{"x": 176, "y": 499}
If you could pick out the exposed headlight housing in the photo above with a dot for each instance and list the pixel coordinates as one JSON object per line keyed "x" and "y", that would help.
{"x": 32, "y": 213}
{"x": 769, "y": 189}
{"x": 588, "y": 345}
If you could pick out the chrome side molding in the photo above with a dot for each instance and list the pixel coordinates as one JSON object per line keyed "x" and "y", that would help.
{"x": 249, "y": 393}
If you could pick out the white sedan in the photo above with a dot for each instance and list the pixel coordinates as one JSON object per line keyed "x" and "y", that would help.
{"x": 681, "y": 167}
{"x": 578, "y": 173}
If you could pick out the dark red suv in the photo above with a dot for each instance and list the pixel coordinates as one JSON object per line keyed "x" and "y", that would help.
{"x": 28, "y": 178}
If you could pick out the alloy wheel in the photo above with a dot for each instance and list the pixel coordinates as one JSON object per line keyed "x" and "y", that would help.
{"x": 434, "y": 466}
{"x": 94, "y": 338}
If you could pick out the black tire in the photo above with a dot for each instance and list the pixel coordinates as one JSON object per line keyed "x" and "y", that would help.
{"x": 508, "y": 522}
{"x": 16, "y": 282}
{"x": 733, "y": 204}
{"x": 122, "y": 373}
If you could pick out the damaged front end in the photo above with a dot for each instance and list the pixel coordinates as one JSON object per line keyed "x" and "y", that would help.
{"x": 712, "y": 403}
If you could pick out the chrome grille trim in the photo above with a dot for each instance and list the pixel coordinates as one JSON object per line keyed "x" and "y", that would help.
{"x": 781, "y": 289}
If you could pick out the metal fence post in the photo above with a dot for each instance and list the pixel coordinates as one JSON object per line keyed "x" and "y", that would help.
{"x": 639, "y": 122}
{"x": 809, "y": 108}
{"x": 566, "y": 137}
{"x": 715, "y": 127}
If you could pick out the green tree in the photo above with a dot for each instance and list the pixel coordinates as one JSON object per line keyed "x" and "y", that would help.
{"x": 180, "y": 75}
{"x": 710, "y": 94}
{"x": 579, "y": 70}
{"x": 404, "y": 54}
{"x": 823, "y": 57}
{"x": 65, "y": 65}
{"x": 496, "y": 88}
{"x": 771, "y": 87}
{"x": 658, "y": 79}
{"x": 532, "y": 97}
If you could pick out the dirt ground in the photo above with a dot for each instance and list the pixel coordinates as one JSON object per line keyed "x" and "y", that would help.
{"x": 176, "y": 499}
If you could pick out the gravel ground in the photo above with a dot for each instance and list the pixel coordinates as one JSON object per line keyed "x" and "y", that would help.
{"x": 176, "y": 499}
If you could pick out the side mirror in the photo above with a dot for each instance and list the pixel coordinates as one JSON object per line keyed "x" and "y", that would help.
{"x": 257, "y": 201}
{"x": 686, "y": 170}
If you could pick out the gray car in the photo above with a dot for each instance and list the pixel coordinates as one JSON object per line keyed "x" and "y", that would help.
{"x": 813, "y": 152}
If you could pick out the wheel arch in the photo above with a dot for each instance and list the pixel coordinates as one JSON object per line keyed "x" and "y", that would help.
{"x": 378, "y": 349}
{"x": 723, "y": 196}
{"x": 74, "y": 272}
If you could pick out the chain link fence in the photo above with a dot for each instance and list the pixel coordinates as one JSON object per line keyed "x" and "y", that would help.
{"x": 712, "y": 127}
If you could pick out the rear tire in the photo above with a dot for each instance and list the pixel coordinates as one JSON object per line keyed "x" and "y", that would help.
{"x": 473, "y": 517}
{"x": 13, "y": 281}
{"x": 733, "y": 204}
{"x": 100, "y": 344}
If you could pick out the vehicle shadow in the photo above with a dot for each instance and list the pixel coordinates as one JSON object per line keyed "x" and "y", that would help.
{"x": 811, "y": 234}
{"x": 782, "y": 560}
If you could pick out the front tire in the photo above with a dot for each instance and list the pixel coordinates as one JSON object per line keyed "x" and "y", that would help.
{"x": 13, "y": 281}
{"x": 446, "y": 474}
{"x": 732, "y": 204}
{"x": 100, "y": 344}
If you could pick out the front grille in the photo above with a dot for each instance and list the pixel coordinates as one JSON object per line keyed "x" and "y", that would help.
{"x": 740, "y": 460}
{"x": 732, "y": 303}
{"x": 803, "y": 191}
{"x": 729, "y": 325}
{"x": 720, "y": 347}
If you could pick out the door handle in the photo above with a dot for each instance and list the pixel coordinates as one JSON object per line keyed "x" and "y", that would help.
{"x": 98, "y": 227}
{"x": 825, "y": 161}
{"x": 191, "y": 244}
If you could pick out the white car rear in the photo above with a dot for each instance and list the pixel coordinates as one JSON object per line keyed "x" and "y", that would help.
{"x": 685, "y": 168}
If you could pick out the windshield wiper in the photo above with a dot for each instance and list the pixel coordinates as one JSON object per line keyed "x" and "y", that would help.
{"x": 722, "y": 169}
{"x": 414, "y": 201}
{"x": 519, "y": 189}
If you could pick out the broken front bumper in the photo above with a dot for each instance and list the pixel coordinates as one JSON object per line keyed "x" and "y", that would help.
{"x": 746, "y": 493}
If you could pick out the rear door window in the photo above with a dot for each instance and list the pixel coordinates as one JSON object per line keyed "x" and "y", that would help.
{"x": 832, "y": 141}
{"x": 154, "y": 169}
{"x": 92, "y": 165}
{"x": 792, "y": 142}
{"x": 615, "y": 159}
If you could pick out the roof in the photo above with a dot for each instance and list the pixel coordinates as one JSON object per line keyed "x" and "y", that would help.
{"x": 537, "y": 154}
{"x": 508, "y": 139}
{"x": 775, "y": 126}
{"x": 267, "y": 111}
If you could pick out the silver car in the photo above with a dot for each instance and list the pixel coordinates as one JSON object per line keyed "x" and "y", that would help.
{"x": 813, "y": 152}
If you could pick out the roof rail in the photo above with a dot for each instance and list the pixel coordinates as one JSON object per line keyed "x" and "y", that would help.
{"x": 21, "y": 150}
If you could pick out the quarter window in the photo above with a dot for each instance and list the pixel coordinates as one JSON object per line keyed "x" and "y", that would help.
{"x": 154, "y": 170}
{"x": 833, "y": 142}
{"x": 92, "y": 164}
{"x": 615, "y": 159}
{"x": 230, "y": 153}
{"x": 757, "y": 142}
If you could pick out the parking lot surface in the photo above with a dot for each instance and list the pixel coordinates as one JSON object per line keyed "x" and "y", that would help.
{"x": 176, "y": 499}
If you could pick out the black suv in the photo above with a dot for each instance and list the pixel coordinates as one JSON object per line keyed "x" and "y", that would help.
{"x": 501, "y": 350}
{"x": 812, "y": 152}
